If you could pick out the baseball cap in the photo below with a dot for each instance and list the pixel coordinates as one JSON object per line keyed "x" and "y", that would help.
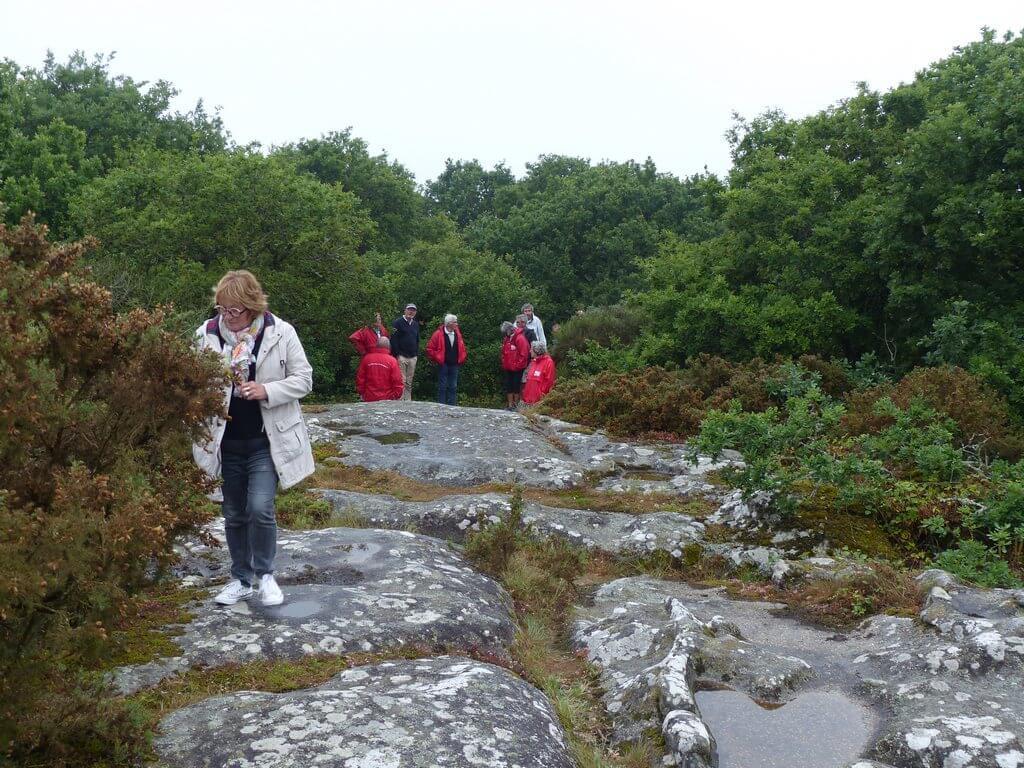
{"x": 410, "y": 306}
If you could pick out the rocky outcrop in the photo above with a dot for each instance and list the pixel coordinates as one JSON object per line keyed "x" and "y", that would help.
{"x": 694, "y": 666}
{"x": 651, "y": 647}
{"x": 455, "y": 516}
{"x": 948, "y": 689}
{"x": 433, "y": 712}
{"x": 346, "y": 590}
{"x": 447, "y": 446}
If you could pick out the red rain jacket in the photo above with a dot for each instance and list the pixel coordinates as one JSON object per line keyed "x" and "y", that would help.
{"x": 365, "y": 340}
{"x": 515, "y": 351}
{"x": 435, "y": 347}
{"x": 539, "y": 379}
{"x": 379, "y": 377}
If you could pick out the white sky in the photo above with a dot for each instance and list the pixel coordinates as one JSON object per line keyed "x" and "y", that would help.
{"x": 430, "y": 79}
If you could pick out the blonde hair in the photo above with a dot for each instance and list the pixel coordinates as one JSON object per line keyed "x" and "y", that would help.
{"x": 240, "y": 288}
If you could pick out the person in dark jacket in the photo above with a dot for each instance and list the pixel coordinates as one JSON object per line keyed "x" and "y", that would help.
{"x": 405, "y": 345}
{"x": 515, "y": 355}
{"x": 447, "y": 349}
{"x": 365, "y": 339}
{"x": 379, "y": 377}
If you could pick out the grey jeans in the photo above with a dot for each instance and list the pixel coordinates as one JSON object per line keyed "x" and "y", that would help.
{"x": 250, "y": 483}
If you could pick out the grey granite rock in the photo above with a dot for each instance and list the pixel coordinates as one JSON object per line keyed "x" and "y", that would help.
{"x": 956, "y": 685}
{"x": 345, "y": 590}
{"x": 472, "y": 446}
{"x": 650, "y": 648}
{"x": 945, "y": 691}
{"x": 445, "y": 711}
{"x": 454, "y": 516}
{"x": 444, "y": 445}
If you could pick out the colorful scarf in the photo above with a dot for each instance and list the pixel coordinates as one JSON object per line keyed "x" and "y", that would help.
{"x": 238, "y": 348}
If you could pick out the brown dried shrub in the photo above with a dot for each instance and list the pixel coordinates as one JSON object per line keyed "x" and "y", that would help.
{"x": 96, "y": 412}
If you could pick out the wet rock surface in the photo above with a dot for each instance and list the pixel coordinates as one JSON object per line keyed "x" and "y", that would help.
{"x": 456, "y": 516}
{"x": 345, "y": 590}
{"x": 444, "y": 711}
{"x": 942, "y": 691}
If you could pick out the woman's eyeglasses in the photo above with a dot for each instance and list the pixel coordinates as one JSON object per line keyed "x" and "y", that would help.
{"x": 229, "y": 311}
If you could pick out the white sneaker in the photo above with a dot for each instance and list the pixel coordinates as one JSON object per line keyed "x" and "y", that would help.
{"x": 270, "y": 593}
{"x": 232, "y": 593}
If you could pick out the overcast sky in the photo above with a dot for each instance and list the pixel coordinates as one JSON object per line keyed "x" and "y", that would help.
{"x": 425, "y": 80}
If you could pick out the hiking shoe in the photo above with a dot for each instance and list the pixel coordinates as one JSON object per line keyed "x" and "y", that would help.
{"x": 232, "y": 593}
{"x": 270, "y": 593}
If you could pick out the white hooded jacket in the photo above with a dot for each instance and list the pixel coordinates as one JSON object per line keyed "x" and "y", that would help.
{"x": 282, "y": 368}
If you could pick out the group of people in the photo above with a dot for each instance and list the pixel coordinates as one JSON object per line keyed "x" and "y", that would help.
{"x": 260, "y": 443}
{"x": 388, "y": 361}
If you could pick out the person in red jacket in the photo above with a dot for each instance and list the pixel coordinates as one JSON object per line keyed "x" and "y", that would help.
{"x": 540, "y": 377}
{"x": 447, "y": 349}
{"x": 379, "y": 377}
{"x": 515, "y": 356}
{"x": 365, "y": 339}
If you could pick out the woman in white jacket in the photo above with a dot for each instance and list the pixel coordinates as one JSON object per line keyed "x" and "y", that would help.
{"x": 263, "y": 443}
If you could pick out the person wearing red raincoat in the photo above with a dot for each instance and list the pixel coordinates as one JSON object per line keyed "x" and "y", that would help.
{"x": 447, "y": 349}
{"x": 379, "y": 377}
{"x": 540, "y": 376}
{"x": 515, "y": 356}
{"x": 365, "y": 339}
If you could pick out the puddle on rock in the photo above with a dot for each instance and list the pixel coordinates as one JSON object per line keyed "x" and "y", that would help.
{"x": 818, "y": 729}
{"x": 345, "y": 430}
{"x": 356, "y": 553}
{"x": 396, "y": 438}
{"x": 300, "y": 609}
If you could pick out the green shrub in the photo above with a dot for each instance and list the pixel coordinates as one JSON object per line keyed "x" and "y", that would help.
{"x": 972, "y": 561}
{"x": 96, "y": 413}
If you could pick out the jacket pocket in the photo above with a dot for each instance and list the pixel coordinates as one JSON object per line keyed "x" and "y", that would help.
{"x": 291, "y": 434}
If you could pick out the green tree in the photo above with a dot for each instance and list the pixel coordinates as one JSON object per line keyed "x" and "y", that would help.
{"x": 67, "y": 123}
{"x": 577, "y": 231}
{"x": 385, "y": 189}
{"x": 171, "y": 224}
{"x": 464, "y": 191}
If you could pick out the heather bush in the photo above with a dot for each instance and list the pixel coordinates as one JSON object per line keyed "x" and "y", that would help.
{"x": 96, "y": 411}
{"x": 637, "y": 403}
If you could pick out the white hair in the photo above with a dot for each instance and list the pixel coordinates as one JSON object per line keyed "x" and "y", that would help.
{"x": 539, "y": 348}
{"x": 506, "y": 326}
{"x": 450, "y": 318}
{"x": 527, "y": 306}
{"x": 383, "y": 341}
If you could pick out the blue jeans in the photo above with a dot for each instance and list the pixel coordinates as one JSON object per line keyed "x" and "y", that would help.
{"x": 250, "y": 482}
{"x": 447, "y": 381}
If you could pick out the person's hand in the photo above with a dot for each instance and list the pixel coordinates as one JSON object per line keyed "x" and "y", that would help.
{"x": 253, "y": 390}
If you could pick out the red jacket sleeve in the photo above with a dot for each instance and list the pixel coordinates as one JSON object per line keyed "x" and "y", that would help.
{"x": 435, "y": 347}
{"x": 397, "y": 384}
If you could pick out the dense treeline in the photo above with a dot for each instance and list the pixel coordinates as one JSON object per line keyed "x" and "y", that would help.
{"x": 887, "y": 226}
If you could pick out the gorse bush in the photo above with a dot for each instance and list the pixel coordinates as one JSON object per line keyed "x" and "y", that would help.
{"x": 96, "y": 411}
{"x": 651, "y": 400}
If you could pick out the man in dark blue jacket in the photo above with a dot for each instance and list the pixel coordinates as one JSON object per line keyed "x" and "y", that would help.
{"x": 405, "y": 345}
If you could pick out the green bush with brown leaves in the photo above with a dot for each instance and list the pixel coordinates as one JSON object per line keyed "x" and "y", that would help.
{"x": 96, "y": 413}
